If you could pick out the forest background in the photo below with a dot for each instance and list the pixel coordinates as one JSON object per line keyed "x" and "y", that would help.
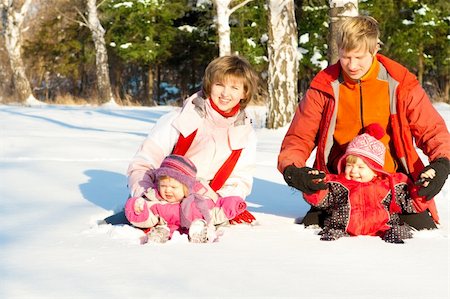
{"x": 157, "y": 50}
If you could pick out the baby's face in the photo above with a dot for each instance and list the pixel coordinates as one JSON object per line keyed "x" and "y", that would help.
{"x": 171, "y": 190}
{"x": 359, "y": 171}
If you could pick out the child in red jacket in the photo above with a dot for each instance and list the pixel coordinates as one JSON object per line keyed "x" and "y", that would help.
{"x": 363, "y": 199}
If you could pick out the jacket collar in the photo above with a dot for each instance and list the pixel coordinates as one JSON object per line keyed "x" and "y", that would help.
{"x": 196, "y": 109}
{"x": 324, "y": 79}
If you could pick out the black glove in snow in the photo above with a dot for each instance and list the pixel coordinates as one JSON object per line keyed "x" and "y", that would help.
{"x": 300, "y": 179}
{"x": 442, "y": 168}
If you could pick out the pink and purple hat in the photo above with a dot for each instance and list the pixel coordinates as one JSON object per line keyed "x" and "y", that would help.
{"x": 180, "y": 168}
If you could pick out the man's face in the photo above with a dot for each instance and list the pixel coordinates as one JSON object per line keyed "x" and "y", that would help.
{"x": 356, "y": 63}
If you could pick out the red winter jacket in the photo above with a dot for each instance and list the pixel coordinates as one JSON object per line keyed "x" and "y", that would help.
{"x": 363, "y": 208}
{"x": 413, "y": 120}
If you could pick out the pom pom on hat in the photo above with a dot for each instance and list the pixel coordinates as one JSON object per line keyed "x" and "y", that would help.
{"x": 368, "y": 146}
{"x": 374, "y": 130}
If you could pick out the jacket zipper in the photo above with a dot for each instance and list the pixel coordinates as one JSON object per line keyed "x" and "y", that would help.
{"x": 361, "y": 106}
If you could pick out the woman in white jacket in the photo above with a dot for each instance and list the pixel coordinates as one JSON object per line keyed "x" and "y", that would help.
{"x": 212, "y": 130}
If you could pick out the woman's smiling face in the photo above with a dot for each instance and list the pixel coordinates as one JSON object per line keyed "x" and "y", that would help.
{"x": 227, "y": 93}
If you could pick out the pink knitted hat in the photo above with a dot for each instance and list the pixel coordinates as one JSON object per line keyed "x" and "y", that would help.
{"x": 368, "y": 147}
{"x": 178, "y": 167}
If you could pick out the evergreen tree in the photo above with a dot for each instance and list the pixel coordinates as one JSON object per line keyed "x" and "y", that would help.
{"x": 313, "y": 29}
{"x": 196, "y": 46}
{"x": 60, "y": 55}
{"x": 249, "y": 33}
{"x": 142, "y": 32}
{"x": 416, "y": 35}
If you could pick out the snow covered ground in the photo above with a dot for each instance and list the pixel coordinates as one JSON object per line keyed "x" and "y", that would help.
{"x": 62, "y": 168}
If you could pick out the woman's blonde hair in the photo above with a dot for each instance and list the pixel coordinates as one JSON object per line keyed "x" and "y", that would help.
{"x": 234, "y": 67}
{"x": 357, "y": 32}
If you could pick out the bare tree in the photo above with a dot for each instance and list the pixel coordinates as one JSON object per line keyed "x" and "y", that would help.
{"x": 223, "y": 12}
{"x": 339, "y": 10}
{"x": 283, "y": 62}
{"x": 12, "y": 20}
{"x": 101, "y": 55}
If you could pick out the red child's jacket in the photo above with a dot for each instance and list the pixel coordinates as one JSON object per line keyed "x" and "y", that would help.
{"x": 364, "y": 208}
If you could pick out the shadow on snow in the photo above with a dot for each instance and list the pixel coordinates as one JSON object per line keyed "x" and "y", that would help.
{"x": 108, "y": 190}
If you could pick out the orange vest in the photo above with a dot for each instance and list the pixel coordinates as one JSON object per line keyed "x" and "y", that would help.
{"x": 356, "y": 99}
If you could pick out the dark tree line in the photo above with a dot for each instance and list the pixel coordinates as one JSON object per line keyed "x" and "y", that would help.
{"x": 157, "y": 54}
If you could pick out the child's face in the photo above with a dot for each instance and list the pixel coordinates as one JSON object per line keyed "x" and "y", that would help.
{"x": 171, "y": 190}
{"x": 358, "y": 171}
{"x": 228, "y": 93}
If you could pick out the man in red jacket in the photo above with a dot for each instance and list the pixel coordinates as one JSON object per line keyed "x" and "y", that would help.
{"x": 362, "y": 88}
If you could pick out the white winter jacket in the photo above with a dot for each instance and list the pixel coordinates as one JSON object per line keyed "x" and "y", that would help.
{"x": 216, "y": 137}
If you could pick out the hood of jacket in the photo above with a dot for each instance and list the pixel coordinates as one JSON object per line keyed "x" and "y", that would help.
{"x": 324, "y": 79}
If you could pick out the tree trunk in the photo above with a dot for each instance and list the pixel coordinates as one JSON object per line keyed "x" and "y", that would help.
{"x": 446, "y": 91}
{"x": 339, "y": 10}
{"x": 12, "y": 21}
{"x": 223, "y": 26}
{"x": 223, "y": 12}
{"x": 420, "y": 65}
{"x": 158, "y": 85}
{"x": 151, "y": 89}
{"x": 283, "y": 63}
{"x": 101, "y": 55}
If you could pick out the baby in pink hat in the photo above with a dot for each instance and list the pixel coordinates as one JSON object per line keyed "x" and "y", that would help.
{"x": 178, "y": 201}
{"x": 363, "y": 199}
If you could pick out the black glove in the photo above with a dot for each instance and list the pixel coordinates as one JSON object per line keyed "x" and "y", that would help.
{"x": 300, "y": 179}
{"x": 442, "y": 168}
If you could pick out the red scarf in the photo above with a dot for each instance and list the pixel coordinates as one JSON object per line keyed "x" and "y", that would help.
{"x": 183, "y": 144}
{"x": 233, "y": 111}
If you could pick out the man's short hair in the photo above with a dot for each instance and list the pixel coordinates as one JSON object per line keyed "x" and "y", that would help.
{"x": 359, "y": 32}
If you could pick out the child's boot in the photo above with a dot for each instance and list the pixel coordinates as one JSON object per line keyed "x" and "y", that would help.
{"x": 198, "y": 231}
{"x": 159, "y": 234}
